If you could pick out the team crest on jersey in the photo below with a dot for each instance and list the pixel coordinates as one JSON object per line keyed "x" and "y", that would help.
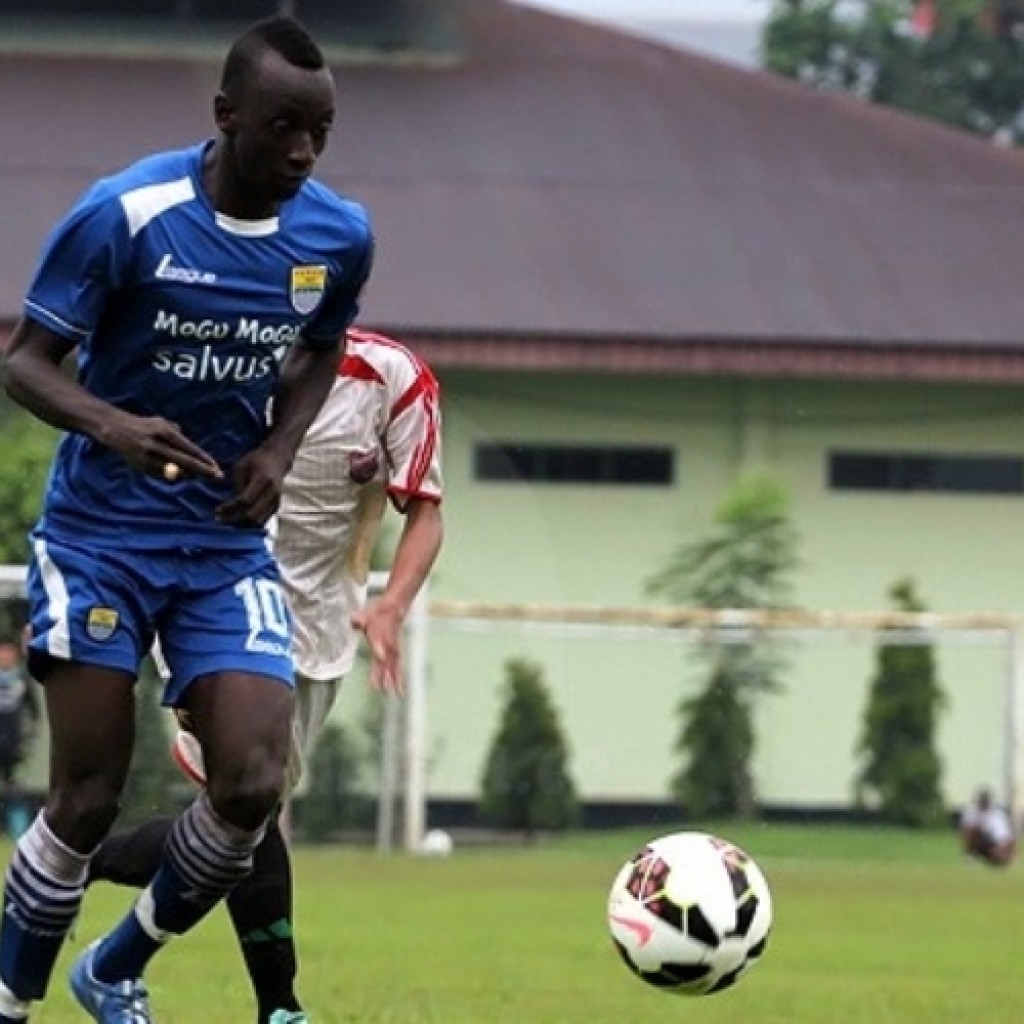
{"x": 101, "y": 623}
{"x": 307, "y": 288}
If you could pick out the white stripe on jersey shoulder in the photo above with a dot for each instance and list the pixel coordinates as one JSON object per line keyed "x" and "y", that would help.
{"x": 141, "y": 205}
{"x": 247, "y": 228}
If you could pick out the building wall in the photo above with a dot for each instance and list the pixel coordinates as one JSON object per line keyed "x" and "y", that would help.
{"x": 592, "y": 545}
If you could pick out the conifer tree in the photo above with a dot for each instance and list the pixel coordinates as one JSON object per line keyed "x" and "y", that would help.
{"x": 901, "y": 772}
{"x": 745, "y": 564}
{"x": 526, "y": 782}
{"x": 332, "y": 800}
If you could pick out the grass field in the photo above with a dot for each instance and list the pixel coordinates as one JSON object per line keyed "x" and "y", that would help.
{"x": 871, "y": 927}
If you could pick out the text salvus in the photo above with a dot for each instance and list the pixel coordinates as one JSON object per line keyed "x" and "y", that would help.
{"x": 205, "y": 364}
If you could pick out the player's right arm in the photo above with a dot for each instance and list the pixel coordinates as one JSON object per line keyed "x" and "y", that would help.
{"x": 86, "y": 260}
{"x": 381, "y": 619}
{"x": 33, "y": 377}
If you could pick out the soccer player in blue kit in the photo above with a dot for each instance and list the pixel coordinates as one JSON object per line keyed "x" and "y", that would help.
{"x": 196, "y": 287}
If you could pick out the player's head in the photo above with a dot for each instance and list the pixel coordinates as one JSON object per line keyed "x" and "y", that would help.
{"x": 275, "y": 108}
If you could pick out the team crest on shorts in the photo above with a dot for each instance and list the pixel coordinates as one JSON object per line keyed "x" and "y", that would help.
{"x": 307, "y": 288}
{"x": 101, "y": 623}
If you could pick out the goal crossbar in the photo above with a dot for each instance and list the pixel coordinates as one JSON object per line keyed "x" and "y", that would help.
{"x": 726, "y": 618}
{"x": 686, "y": 624}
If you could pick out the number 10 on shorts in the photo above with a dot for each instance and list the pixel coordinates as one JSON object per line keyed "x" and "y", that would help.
{"x": 267, "y": 613}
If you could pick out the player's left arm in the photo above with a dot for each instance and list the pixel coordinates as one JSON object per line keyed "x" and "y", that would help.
{"x": 382, "y": 618}
{"x": 305, "y": 380}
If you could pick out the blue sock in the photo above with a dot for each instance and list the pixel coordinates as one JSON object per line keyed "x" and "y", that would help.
{"x": 204, "y": 858}
{"x": 43, "y": 891}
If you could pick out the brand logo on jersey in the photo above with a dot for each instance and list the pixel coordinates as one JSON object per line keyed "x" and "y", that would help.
{"x": 101, "y": 623}
{"x": 167, "y": 271}
{"x": 307, "y": 288}
{"x": 363, "y": 466}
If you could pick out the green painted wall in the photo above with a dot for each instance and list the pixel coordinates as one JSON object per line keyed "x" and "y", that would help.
{"x": 596, "y": 546}
{"x": 557, "y": 544}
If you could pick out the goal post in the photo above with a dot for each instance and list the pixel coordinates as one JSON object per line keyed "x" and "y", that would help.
{"x": 404, "y": 774}
{"x": 688, "y": 625}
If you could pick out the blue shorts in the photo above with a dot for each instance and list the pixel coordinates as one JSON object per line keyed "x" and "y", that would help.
{"x": 212, "y": 611}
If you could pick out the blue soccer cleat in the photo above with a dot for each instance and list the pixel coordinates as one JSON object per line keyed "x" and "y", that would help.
{"x": 119, "y": 1002}
{"x": 288, "y": 1017}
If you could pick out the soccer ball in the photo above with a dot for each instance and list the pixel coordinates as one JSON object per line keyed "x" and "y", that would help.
{"x": 437, "y": 843}
{"x": 690, "y": 913}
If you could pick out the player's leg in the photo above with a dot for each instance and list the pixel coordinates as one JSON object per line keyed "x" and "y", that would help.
{"x": 84, "y": 649}
{"x": 45, "y": 880}
{"x": 131, "y": 856}
{"x": 228, "y": 648}
{"x": 242, "y": 722}
{"x": 8, "y": 765}
{"x": 261, "y": 905}
{"x": 261, "y": 914}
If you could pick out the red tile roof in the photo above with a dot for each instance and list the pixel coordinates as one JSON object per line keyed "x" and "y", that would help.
{"x": 573, "y": 195}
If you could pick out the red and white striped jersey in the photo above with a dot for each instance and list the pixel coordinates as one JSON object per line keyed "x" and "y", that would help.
{"x": 378, "y": 436}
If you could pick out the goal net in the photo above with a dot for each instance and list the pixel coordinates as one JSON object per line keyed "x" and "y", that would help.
{"x": 618, "y": 675}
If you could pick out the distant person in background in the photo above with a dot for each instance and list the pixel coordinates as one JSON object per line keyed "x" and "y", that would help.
{"x": 19, "y": 721}
{"x": 986, "y": 831}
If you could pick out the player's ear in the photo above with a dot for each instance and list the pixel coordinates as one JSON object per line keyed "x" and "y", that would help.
{"x": 225, "y": 115}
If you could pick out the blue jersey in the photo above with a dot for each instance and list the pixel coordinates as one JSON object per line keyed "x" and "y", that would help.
{"x": 181, "y": 312}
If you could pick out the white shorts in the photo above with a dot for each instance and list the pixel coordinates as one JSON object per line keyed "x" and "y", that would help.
{"x": 314, "y": 700}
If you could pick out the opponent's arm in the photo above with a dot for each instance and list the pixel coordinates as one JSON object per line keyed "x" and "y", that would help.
{"x": 382, "y": 618}
{"x": 33, "y": 378}
{"x": 307, "y": 374}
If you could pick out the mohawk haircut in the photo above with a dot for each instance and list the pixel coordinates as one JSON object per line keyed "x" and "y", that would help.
{"x": 285, "y": 36}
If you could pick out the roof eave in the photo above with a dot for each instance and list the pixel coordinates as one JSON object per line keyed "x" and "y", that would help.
{"x": 974, "y": 363}
{"x": 898, "y": 360}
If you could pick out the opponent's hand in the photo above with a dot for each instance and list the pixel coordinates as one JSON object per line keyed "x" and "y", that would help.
{"x": 257, "y": 478}
{"x": 152, "y": 444}
{"x": 381, "y": 624}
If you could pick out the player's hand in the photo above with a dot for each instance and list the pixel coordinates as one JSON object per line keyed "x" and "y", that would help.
{"x": 152, "y": 444}
{"x": 258, "y": 477}
{"x": 381, "y": 624}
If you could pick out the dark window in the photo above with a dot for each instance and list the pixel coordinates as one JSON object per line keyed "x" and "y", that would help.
{"x": 964, "y": 474}
{"x": 573, "y": 464}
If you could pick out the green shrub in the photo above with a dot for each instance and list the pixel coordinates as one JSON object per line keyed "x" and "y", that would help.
{"x": 901, "y": 771}
{"x": 526, "y": 782}
{"x": 745, "y": 563}
{"x": 331, "y": 801}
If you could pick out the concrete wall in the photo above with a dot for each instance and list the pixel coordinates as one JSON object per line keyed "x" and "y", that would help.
{"x": 557, "y": 544}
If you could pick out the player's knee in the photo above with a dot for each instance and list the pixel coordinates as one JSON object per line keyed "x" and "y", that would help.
{"x": 248, "y": 801}
{"x": 83, "y": 813}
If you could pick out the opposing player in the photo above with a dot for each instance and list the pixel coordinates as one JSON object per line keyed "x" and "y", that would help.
{"x": 377, "y": 437}
{"x": 196, "y": 286}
